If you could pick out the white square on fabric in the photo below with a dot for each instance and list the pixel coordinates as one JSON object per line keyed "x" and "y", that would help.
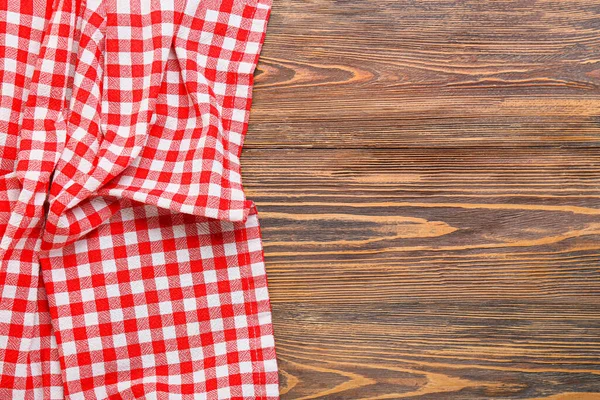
{"x": 211, "y": 16}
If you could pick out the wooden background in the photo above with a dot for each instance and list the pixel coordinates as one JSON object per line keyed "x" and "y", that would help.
{"x": 427, "y": 175}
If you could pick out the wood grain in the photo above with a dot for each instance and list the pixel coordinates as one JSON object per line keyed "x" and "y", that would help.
{"x": 389, "y": 73}
{"x": 427, "y": 175}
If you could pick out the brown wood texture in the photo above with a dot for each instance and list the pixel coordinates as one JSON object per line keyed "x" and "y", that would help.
{"x": 427, "y": 175}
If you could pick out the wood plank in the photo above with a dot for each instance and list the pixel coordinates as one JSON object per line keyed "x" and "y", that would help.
{"x": 438, "y": 350}
{"x": 433, "y": 73}
{"x": 432, "y": 273}
{"x": 374, "y": 225}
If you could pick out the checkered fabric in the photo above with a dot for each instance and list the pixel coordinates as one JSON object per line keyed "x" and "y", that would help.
{"x": 131, "y": 263}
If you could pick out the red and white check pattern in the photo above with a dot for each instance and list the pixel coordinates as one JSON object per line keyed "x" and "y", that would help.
{"x": 131, "y": 265}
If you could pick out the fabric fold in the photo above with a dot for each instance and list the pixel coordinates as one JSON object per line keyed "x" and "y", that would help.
{"x": 176, "y": 142}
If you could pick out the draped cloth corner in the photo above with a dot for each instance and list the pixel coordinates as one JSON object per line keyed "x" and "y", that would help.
{"x": 131, "y": 262}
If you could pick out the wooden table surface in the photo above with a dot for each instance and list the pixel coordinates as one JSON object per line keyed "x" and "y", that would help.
{"x": 427, "y": 175}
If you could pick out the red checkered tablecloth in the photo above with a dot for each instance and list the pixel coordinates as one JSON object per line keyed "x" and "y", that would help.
{"x": 131, "y": 263}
